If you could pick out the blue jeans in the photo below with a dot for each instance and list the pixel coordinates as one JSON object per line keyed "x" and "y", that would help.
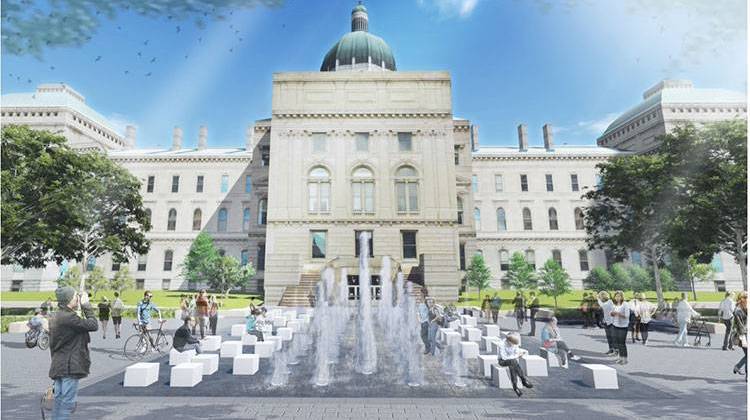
{"x": 66, "y": 391}
{"x": 682, "y": 337}
{"x": 432, "y": 336}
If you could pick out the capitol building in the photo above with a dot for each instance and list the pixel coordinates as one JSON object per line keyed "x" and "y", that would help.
{"x": 361, "y": 146}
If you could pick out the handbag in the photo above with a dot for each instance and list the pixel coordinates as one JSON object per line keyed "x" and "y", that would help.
{"x": 48, "y": 400}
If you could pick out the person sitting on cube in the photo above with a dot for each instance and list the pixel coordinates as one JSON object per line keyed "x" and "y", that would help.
{"x": 252, "y": 326}
{"x": 36, "y": 323}
{"x": 184, "y": 340}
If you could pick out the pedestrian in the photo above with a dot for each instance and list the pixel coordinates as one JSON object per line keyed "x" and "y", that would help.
{"x": 201, "y": 309}
{"x": 606, "y": 306}
{"x": 509, "y": 352}
{"x": 495, "y": 305}
{"x": 183, "y": 340}
{"x": 104, "y": 310}
{"x": 252, "y": 323}
{"x": 634, "y": 323}
{"x": 726, "y": 313}
{"x": 739, "y": 331}
{"x": 193, "y": 312}
{"x": 553, "y": 342}
{"x": 143, "y": 314}
{"x": 684, "y": 314}
{"x": 519, "y": 309}
{"x": 423, "y": 312}
{"x": 646, "y": 311}
{"x": 46, "y": 307}
{"x": 585, "y": 310}
{"x": 117, "y": 308}
{"x": 486, "y": 308}
{"x": 435, "y": 317}
{"x": 620, "y": 320}
{"x": 533, "y": 308}
{"x": 597, "y": 311}
{"x": 184, "y": 307}
{"x": 213, "y": 314}
{"x": 68, "y": 346}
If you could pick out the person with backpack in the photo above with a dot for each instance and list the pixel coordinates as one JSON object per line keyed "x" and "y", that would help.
{"x": 739, "y": 331}
{"x": 104, "y": 310}
{"x": 117, "y": 308}
{"x": 143, "y": 312}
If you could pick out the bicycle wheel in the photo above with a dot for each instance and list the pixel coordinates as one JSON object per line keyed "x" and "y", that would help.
{"x": 162, "y": 343}
{"x": 136, "y": 347}
{"x": 43, "y": 341}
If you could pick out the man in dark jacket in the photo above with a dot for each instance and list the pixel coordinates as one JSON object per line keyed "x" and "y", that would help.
{"x": 183, "y": 340}
{"x": 69, "y": 348}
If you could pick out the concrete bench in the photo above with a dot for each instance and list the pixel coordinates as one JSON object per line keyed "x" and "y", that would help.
{"x": 245, "y": 364}
{"x": 486, "y": 361}
{"x": 285, "y": 333}
{"x": 264, "y": 349}
{"x": 279, "y": 321}
{"x": 550, "y": 357}
{"x": 304, "y": 318}
{"x": 473, "y": 334}
{"x": 176, "y": 357}
{"x": 495, "y": 346}
{"x": 211, "y": 343}
{"x": 18, "y": 327}
{"x": 491, "y": 330}
{"x": 469, "y": 350}
{"x": 452, "y": 337}
{"x": 249, "y": 340}
{"x": 230, "y": 349}
{"x": 533, "y": 365}
{"x": 295, "y": 325}
{"x": 544, "y": 314}
{"x": 441, "y": 334}
{"x": 290, "y": 315}
{"x": 454, "y": 325}
{"x": 500, "y": 377}
{"x": 238, "y": 330}
{"x": 141, "y": 374}
{"x": 275, "y": 339}
{"x": 186, "y": 375}
{"x": 599, "y": 376}
{"x": 487, "y": 342}
{"x": 210, "y": 362}
{"x": 468, "y": 320}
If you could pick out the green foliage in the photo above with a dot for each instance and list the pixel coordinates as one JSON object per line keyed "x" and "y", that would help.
{"x": 554, "y": 280}
{"x": 600, "y": 279}
{"x": 228, "y": 274}
{"x": 122, "y": 280}
{"x": 71, "y": 278}
{"x": 199, "y": 263}
{"x": 667, "y": 280}
{"x": 641, "y": 280}
{"x": 478, "y": 274}
{"x": 95, "y": 281}
{"x": 520, "y": 275}
{"x": 621, "y": 276}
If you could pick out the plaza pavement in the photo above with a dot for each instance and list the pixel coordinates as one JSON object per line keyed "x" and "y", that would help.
{"x": 684, "y": 382}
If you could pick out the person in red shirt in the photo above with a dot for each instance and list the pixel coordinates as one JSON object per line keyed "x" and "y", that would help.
{"x": 201, "y": 310}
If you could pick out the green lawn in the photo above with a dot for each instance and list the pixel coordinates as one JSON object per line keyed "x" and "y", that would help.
{"x": 162, "y": 298}
{"x": 573, "y": 300}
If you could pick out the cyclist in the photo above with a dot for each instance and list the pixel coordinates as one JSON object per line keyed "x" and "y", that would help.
{"x": 143, "y": 312}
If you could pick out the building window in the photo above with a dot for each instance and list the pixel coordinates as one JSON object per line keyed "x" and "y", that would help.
{"x": 248, "y": 184}
{"x": 578, "y": 214}
{"x": 557, "y": 256}
{"x": 574, "y": 182}
{"x": 362, "y": 142}
{"x": 531, "y": 258}
{"x": 150, "y": 184}
{"x": 175, "y": 183}
{"x": 197, "y": 219}
{"x": 262, "y": 210}
{"x": 172, "y": 219}
{"x": 474, "y": 184}
{"x": 404, "y": 142}
{"x": 363, "y": 191}
{"x": 583, "y": 259}
{"x": 459, "y": 210}
{"x": 721, "y": 285}
{"x": 552, "y": 218}
{"x": 524, "y": 183}
{"x": 406, "y": 190}
{"x": 142, "y": 258}
{"x": 244, "y": 257}
{"x": 246, "y": 219}
{"x": 261, "y": 257}
{"x": 717, "y": 264}
{"x": 456, "y": 155}
{"x": 148, "y": 215}
{"x": 477, "y": 219}
{"x": 409, "y": 244}
{"x": 222, "y": 220}
{"x": 140, "y": 284}
{"x": 168, "y": 255}
{"x": 165, "y": 284}
{"x": 265, "y": 157}
{"x": 598, "y": 181}
{"x": 319, "y": 190}
{"x": 115, "y": 265}
{"x": 91, "y": 263}
{"x": 550, "y": 184}
{"x": 369, "y": 242}
{"x": 502, "y": 223}
{"x": 498, "y": 183}
{"x": 527, "y": 219}
{"x": 319, "y": 143}
{"x": 318, "y": 242}
{"x": 199, "y": 184}
{"x": 16, "y": 286}
{"x": 504, "y": 260}
{"x": 224, "y": 183}
{"x": 462, "y": 256}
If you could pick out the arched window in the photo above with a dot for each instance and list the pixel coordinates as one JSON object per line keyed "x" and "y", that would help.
{"x": 583, "y": 259}
{"x": 172, "y": 219}
{"x": 552, "y": 218}
{"x": 477, "y": 219}
{"x": 502, "y": 223}
{"x": 527, "y": 219}
{"x": 197, "y": 219}
{"x": 460, "y": 210}
{"x": 168, "y": 255}
{"x": 245, "y": 219}
{"x": 319, "y": 190}
{"x": 531, "y": 258}
{"x": 222, "y": 220}
{"x": 504, "y": 260}
{"x": 578, "y": 213}
{"x": 262, "y": 211}
{"x": 407, "y": 185}
{"x": 557, "y": 256}
{"x": 363, "y": 191}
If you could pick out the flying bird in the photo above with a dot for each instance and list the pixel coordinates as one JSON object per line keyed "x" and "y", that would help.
{"x": 127, "y": 71}
{"x": 51, "y": 67}
{"x": 200, "y": 39}
{"x": 152, "y": 60}
{"x": 139, "y": 54}
{"x": 145, "y": 42}
{"x": 240, "y": 39}
{"x": 28, "y": 81}
{"x": 178, "y": 29}
{"x": 169, "y": 17}
{"x": 148, "y": 74}
{"x": 186, "y": 56}
{"x": 98, "y": 58}
{"x": 231, "y": 50}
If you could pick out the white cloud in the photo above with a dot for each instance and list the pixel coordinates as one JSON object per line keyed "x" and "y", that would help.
{"x": 597, "y": 126}
{"x": 119, "y": 122}
{"x": 451, "y": 8}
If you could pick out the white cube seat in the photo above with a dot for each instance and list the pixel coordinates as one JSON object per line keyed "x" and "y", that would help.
{"x": 500, "y": 377}
{"x": 279, "y": 321}
{"x": 469, "y": 350}
{"x": 441, "y": 334}
{"x": 486, "y": 361}
{"x": 290, "y": 315}
{"x": 249, "y": 340}
{"x": 141, "y": 374}
{"x": 186, "y": 375}
{"x": 211, "y": 343}
{"x": 18, "y": 327}
{"x": 264, "y": 349}
{"x": 452, "y": 337}
{"x": 304, "y": 317}
{"x": 544, "y": 313}
{"x": 473, "y": 334}
{"x": 491, "y": 330}
{"x": 599, "y": 376}
{"x": 550, "y": 357}
{"x": 454, "y": 325}
{"x": 295, "y": 325}
{"x": 285, "y": 333}
{"x": 275, "y": 339}
{"x": 245, "y": 364}
{"x": 210, "y": 362}
{"x": 533, "y": 365}
{"x": 176, "y": 357}
{"x": 468, "y": 320}
{"x": 230, "y": 349}
{"x": 238, "y": 330}
{"x": 487, "y": 342}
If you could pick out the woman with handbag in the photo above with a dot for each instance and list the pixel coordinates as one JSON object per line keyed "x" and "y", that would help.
{"x": 553, "y": 342}
{"x": 739, "y": 331}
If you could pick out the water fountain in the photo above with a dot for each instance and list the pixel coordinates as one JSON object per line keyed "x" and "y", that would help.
{"x": 366, "y": 357}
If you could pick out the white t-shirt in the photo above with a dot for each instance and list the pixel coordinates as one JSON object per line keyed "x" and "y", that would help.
{"x": 607, "y": 307}
{"x": 624, "y": 310}
{"x": 645, "y": 308}
{"x": 726, "y": 308}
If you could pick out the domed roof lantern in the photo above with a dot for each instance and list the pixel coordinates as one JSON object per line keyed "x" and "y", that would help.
{"x": 359, "y": 18}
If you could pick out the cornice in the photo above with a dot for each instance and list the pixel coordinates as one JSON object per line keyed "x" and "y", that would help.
{"x": 551, "y": 157}
{"x": 179, "y": 159}
{"x": 341, "y": 115}
{"x": 354, "y": 221}
{"x": 501, "y": 240}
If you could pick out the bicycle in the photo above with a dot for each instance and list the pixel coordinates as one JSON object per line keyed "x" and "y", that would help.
{"x": 138, "y": 345}
{"x": 38, "y": 338}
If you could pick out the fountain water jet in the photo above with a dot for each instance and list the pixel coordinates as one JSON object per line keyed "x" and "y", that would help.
{"x": 366, "y": 357}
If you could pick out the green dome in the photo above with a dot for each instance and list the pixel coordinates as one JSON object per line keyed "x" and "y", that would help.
{"x": 359, "y": 8}
{"x": 359, "y": 45}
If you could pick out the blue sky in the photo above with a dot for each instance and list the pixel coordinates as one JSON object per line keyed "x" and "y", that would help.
{"x": 573, "y": 63}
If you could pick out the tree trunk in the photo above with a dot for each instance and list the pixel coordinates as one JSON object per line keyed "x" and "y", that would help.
{"x": 555, "y": 297}
{"x": 741, "y": 258}
{"x": 657, "y": 279}
{"x": 692, "y": 286}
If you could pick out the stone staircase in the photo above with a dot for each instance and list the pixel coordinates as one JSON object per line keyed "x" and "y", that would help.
{"x": 299, "y": 295}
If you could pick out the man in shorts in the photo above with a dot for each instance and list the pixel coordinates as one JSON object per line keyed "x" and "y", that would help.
{"x": 117, "y": 308}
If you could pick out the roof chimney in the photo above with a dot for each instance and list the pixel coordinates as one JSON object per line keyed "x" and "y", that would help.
{"x": 249, "y": 137}
{"x": 523, "y": 138}
{"x": 177, "y": 138}
{"x": 549, "y": 145}
{"x": 474, "y": 137}
{"x": 202, "y": 137}
{"x": 129, "y": 136}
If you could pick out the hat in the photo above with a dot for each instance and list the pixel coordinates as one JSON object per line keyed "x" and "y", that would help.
{"x": 64, "y": 295}
{"x": 514, "y": 338}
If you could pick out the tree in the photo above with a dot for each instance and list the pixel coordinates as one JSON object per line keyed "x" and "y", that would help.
{"x": 478, "y": 275}
{"x": 59, "y": 204}
{"x": 621, "y": 276}
{"x": 122, "y": 280}
{"x": 667, "y": 280}
{"x": 600, "y": 279}
{"x": 641, "y": 280}
{"x": 71, "y": 278}
{"x": 96, "y": 281}
{"x": 228, "y": 274}
{"x": 199, "y": 264}
{"x": 554, "y": 280}
{"x": 521, "y": 275}
{"x": 698, "y": 272}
